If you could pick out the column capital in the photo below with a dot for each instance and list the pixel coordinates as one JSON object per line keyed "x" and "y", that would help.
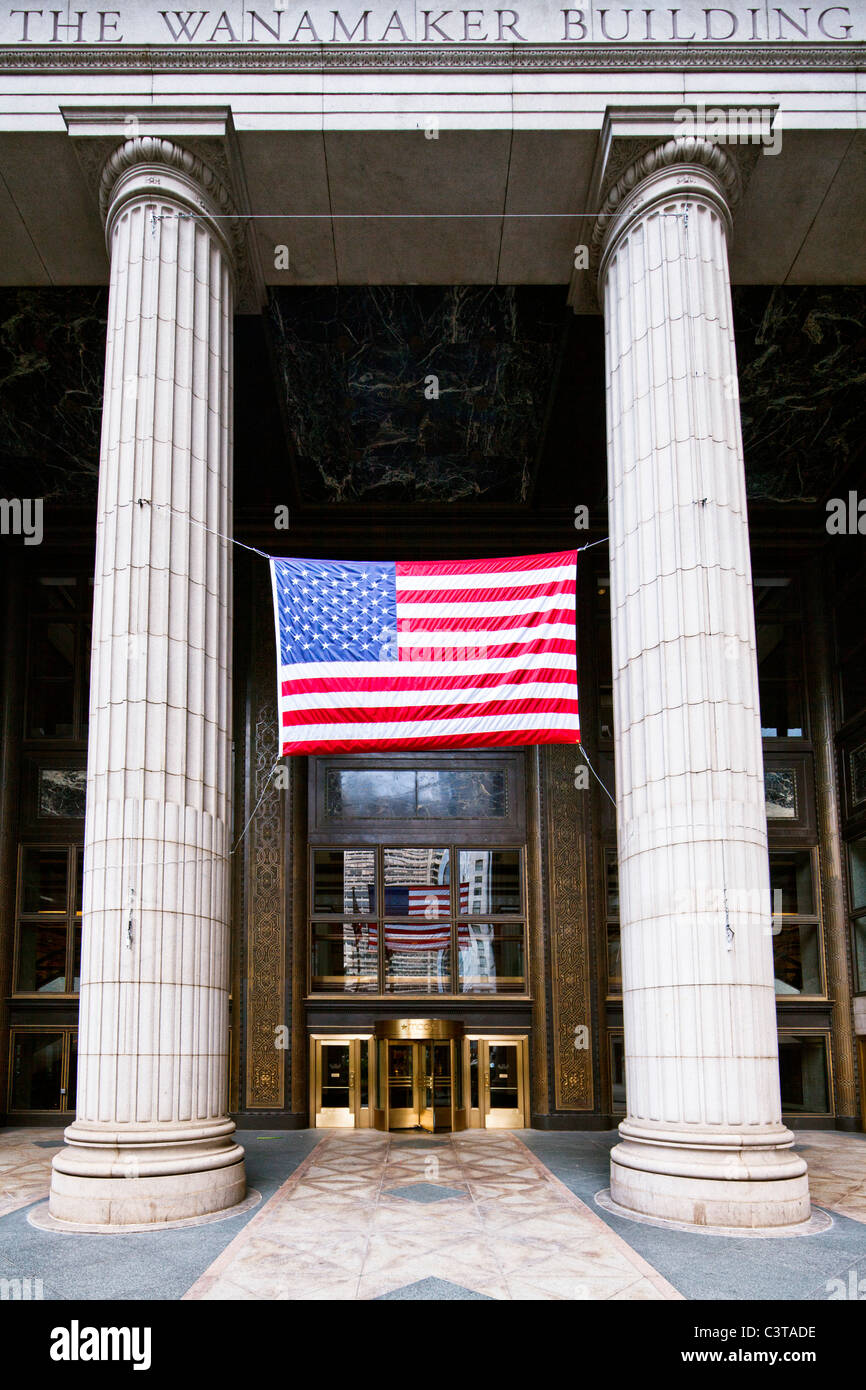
{"x": 678, "y": 158}
{"x": 188, "y": 155}
{"x": 153, "y": 166}
{"x": 654, "y": 146}
{"x": 687, "y": 167}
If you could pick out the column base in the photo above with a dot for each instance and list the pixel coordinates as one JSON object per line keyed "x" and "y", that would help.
{"x": 146, "y": 1177}
{"x": 711, "y": 1180}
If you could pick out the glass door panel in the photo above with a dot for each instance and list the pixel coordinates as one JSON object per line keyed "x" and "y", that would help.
{"x": 402, "y": 1086}
{"x": 336, "y": 1085}
{"x": 475, "y": 1117}
{"x": 503, "y": 1073}
{"x": 442, "y": 1085}
{"x": 341, "y": 1086}
{"x": 424, "y": 1059}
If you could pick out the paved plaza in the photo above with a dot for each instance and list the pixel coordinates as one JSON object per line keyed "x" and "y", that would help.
{"x": 477, "y": 1215}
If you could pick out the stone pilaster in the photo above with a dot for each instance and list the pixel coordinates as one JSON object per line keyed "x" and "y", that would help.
{"x": 151, "y": 1141}
{"x": 703, "y": 1140}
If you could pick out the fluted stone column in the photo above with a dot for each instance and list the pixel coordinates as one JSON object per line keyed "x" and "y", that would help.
{"x": 151, "y": 1141}
{"x": 703, "y": 1140}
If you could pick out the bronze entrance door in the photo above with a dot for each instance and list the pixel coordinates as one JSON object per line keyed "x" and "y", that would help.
{"x": 497, "y": 1082}
{"x": 503, "y": 1077}
{"x": 419, "y": 1079}
{"x": 340, "y": 1081}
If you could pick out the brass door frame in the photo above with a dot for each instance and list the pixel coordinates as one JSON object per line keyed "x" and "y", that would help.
{"x": 484, "y": 1117}
{"x": 67, "y": 1033}
{"x": 355, "y": 1115}
{"x": 421, "y": 1037}
{"x": 405, "y": 1116}
{"x": 422, "y": 1113}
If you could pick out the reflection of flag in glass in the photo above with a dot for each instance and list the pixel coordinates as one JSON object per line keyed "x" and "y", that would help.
{"x": 431, "y": 908}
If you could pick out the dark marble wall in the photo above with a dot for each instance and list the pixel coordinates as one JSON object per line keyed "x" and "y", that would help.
{"x": 353, "y": 365}
{"x": 801, "y": 355}
{"x": 520, "y": 412}
{"x": 52, "y": 358}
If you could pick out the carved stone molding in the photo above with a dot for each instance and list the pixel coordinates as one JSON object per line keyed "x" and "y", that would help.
{"x": 151, "y": 149}
{"x": 680, "y": 149}
{"x": 555, "y": 57}
{"x": 568, "y": 909}
{"x": 206, "y": 161}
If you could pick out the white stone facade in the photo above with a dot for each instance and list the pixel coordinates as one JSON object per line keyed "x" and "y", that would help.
{"x": 510, "y": 150}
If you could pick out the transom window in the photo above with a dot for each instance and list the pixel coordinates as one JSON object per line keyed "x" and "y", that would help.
{"x": 417, "y": 919}
{"x": 417, "y": 874}
{"x": 418, "y": 798}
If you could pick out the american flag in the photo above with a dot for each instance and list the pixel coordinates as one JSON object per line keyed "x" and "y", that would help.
{"x": 426, "y": 654}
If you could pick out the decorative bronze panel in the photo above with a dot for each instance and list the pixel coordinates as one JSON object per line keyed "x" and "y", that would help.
{"x": 266, "y": 912}
{"x": 296, "y": 957}
{"x": 537, "y": 953}
{"x": 566, "y": 809}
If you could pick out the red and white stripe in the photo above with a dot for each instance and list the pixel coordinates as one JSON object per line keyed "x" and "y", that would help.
{"x": 436, "y": 934}
{"x": 487, "y": 657}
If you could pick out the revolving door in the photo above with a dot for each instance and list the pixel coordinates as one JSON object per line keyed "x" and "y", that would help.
{"x": 419, "y": 1075}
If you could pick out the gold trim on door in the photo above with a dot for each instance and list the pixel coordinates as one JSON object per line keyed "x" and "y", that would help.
{"x": 341, "y": 1090}
{"x": 425, "y": 1081}
{"x": 420, "y": 1079}
{"x": 500, "y": 1099}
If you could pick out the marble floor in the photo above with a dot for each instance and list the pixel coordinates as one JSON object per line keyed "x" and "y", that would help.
{"x": 363, "y": 1215}
{"x": 369, "y": 1214}
{"x": 837, "y": 1171}
{"x": 25, "y": 1165}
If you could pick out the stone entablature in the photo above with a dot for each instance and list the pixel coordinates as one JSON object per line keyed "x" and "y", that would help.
{"x": 529, "y": 22}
